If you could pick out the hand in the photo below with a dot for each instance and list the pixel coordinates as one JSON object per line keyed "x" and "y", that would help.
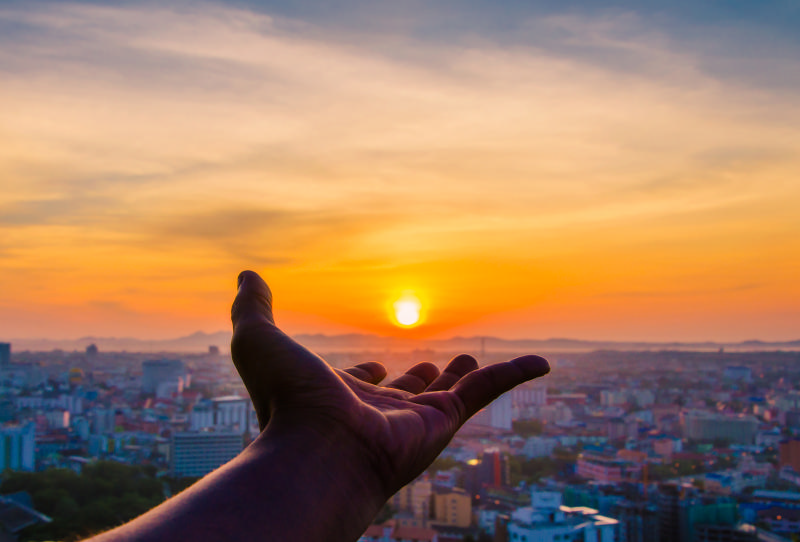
{"x": 390, "y": 433}
{"x": 334, "y": 445}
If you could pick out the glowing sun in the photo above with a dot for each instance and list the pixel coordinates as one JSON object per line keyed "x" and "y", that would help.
{"x": 407, "y": 310}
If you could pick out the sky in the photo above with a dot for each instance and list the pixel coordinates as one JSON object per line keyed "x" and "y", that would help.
{"x": 526, "y": 170}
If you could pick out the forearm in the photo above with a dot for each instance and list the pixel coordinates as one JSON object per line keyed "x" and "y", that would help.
{"x": 291, "y": 492}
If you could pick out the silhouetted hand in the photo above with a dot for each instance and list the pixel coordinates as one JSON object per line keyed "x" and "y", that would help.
{"x": 334, "y": 445}
{"x": 391, "y": 433}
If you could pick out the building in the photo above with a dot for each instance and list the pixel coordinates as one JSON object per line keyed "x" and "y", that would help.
{"x": 684, "y": 512}
{"x": 491, "y": 470}
{"x": 18, "y": 447}
{"x": 529, "y": 394}
{"x": 167, "y": 374}
{"x": 452, "y": 507}
{"x": 231, "y": 413}
{"x": 738, "y": 372}
{"x": 789, "y": 454}
{"x": 57, "y": 418}
{"x": 779, "y": 510}
{"x": 21, "y": 375}
{"x": 547, "y": 520}
{"x": 732, "y": 482}
{"x": 497, "y": 415}
{"x": 197, "y": 454}
{"x": 539, "y": 447}
{"x": 414, "y": 499}
{"x": 638, "y": 521}
{"x": 707, "y": 426}
{"x": 666, "y": 446}
{"x": 607, "y": 470}
{"x": 234, "y": 412}
{"x": 5, "y": 354}
{"x": 741, "y": 532}
{"x": 102, "y": 420}
{"x": 613, "y": 397}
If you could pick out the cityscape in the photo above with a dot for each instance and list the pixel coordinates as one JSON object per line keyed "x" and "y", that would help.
{"x": 598, "y": 200}
{"x": 627, "y": 446}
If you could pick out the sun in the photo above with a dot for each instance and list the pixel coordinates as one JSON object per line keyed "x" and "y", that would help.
{"x": 407, "y": 310}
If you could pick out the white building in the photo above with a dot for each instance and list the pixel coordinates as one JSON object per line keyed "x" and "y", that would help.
{"x": 529, "y": 394}
{"x": 539, "y": 447}
{"x": 613, "y": 397}
{"x": 57, "y": 419}
{"x": 201, "y": 416}
{"x": 498, "y": 414}
{"x": 547, "y": 520}
{"x": 555, "y": 413}
{"x": 103, "y": 420}
{"x": 231, "y": 413}
{"x": 72, "y": 403}
{"x": 168, "y": 374}
{"x": 197, "y": 454}
{"x": 643, "y": 398}
{"x": 17, "y": 447}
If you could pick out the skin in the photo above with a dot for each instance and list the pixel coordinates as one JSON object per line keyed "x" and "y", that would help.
{"x": 334, "y": 444}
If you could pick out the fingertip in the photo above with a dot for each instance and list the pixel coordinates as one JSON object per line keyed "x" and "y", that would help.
{"x": 462, "y": 364}
{"x": 417, "y": 378}
{"x": 532, "y": 366}
{"x": 246, "y": 275}
{"x": 376, "y": 370}
{"x": 253, "y": 299}
{"x": 425, "y": 370}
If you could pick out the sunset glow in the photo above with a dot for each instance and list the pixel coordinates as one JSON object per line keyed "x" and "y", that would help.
{"x": 598, "y": 174}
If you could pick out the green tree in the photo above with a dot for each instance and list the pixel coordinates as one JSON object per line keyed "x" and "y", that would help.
{"x": 527, "y": 428}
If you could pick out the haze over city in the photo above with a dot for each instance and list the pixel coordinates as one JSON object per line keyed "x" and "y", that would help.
{"x": 623, "y": 173}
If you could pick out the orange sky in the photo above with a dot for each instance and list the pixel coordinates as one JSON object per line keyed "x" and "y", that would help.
{"x": 147, "y": 155}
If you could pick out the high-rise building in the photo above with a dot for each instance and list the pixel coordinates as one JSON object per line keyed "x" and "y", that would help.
{"x": 5, "y": 354}
{"x": 684, "y": 513}
{"x": 197, "y": 454}
{"x": 491, "y": 471}
{"x": 498, "y": 414}
{"x": 17, "y": 447}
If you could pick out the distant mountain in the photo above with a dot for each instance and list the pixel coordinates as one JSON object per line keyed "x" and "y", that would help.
{"x": 200, "y": 341}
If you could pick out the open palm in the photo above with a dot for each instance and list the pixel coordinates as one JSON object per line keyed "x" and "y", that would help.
{"x": 395, "y": 431}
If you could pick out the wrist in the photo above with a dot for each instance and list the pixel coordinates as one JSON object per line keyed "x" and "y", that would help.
{"x": 315, "y": 476}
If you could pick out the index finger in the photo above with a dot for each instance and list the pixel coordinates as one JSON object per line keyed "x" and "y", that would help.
{"x": 481, "y": 387}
